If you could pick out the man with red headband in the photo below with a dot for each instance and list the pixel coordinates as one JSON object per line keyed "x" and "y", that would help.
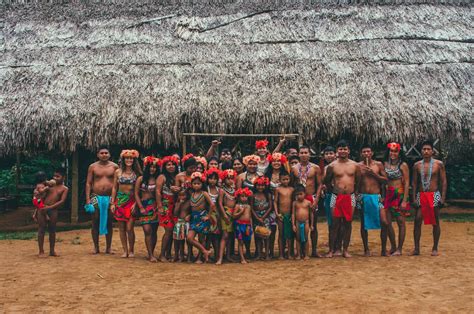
{"x": 429, "y": 196}
{"x": 343, "y": 177}
{"x": 309, "y": 175}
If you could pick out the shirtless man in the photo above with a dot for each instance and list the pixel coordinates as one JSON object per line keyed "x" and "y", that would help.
{"x": 183, "y": 179}
{"x": 429, "y": 177}
{"x": 283, "y": 199}
{"x": 309, "y": 175}
{"x": 99, "y": 183}
{"x": 55, "y": 199}
{"x": 343, "y": 176}
{"x": 373, "y": 176}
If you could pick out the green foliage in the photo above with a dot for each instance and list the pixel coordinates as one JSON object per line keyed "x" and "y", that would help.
{"x": 23, "y": 235}
{"x": 7, "y": 179}
{"x": 460, "y": 183}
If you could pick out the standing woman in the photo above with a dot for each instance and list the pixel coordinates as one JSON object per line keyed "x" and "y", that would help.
{"x": 277, "y": 164}
{"x": 262, "y": 152}
{"x": 238, "y": 165}
{"x": 166, "y": 189}
{"x": 123, "y": 198}
{"x": 396, "y": 203}
{"x": 145, "y": 209}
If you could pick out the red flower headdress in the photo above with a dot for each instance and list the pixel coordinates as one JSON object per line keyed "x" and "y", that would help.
{"x": 249, "y": 158}
{"x": 199, "y": 159}
{"x": 129, "y": 153}
{"x": 186, "y": 157}
{"x": 212, "y": 171}
{"x": 198, "y": 175}
{"x": 228, "y": 173}
{"x": 149, "y": 160}
{"x": 261, "y": 144}
{"x": 277, "y": 157}
{"x": 168, "y": 159}
{"x": 261, "y": 181}
{"x": 394, "y": 145}
{"x": 244, "y": 191}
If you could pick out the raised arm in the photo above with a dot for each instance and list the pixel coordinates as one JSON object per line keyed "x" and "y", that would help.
{"x": 212, "y": 152}
{"x": 89, "y": 180}
{"x": 280, "y": 145}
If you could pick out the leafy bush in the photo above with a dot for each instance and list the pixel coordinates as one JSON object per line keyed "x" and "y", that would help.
{"x": 460, "y": 183}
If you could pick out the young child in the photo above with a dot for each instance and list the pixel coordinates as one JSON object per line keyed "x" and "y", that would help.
{"x": 243, "y": 224}
{"x": 302, "y": 217}
{"x": 226, "y": 207}
{"x": 213, "y": 190}
{"x": 180, "y": 229}
{"x": 40, "y": 192}
{"x": 261, "y": 210}
{"x": 283, "y": 203}
{"x": 201, "y": 214}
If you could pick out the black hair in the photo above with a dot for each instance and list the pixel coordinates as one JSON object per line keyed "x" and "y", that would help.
{"x": 61, "y": 171}
{"x": 269, "y": 171}
{"x": 213, "y": 174}
{"x": 226, "y": 150}
{"x": 401, "y": 154}
{"x": 213, "y": 158}
{"x": 342, "y": 143}
{"x": 204, "y": 185}
{"x": 135, "y": 166}
{"x": 169, "y": 177}
{"x": 299, "y": 188}
{"x": 366, "y": 145}
{"x": 147, "y": 175}
{"x": 226, "y": 165}
{"x": 328, "y": 149}
{"x": 284, "y": 173}
{"x": 303, "y": 147}
{"x": 101, "y": 147}
{"x": 293, "y": 158}
{"x": 241, "y": 161}
{"x": 189, "y": 162}
{"x": 40, "y": 177}
{"x": 427, "y": 142}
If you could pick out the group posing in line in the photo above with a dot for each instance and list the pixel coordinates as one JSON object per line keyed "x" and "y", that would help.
{"x": 219, "y": 199}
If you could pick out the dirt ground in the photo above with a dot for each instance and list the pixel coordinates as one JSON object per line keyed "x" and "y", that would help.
{"x": 80, "y": 282}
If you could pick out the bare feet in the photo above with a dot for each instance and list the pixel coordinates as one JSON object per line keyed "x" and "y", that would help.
{"x": 153, "y": 259}
{"x": 206, "y": 255}
{"x": 297, "y": 257}
{"x": 392, "y": 250}
{"x": 109, "y": 251}
{"x": 367, "y": 253}
{"x": 198, "y": 261}
{"x": 306, "y": 258}
{"x": 243, "y": 261}
{"x": 54, "y": 254}
{"x": 338, "y": 253}
{"x": 415, "y": 253}
{"x": 162, "y": 259}
{"x": 329, "y": 255}
{"x": 95, "y": 251}
{"x": 383, "y": 253}
{"x": 316, "y": 255}
{"x": 396, "y": 253}
{"x": 434, "y": 253}
{"x": 124, "y": 255}
{"x": 219, "y": 262}
{"x": 346, "y": 254}
{"x": 131, "y": 255}
{"x": 42, "y": 255}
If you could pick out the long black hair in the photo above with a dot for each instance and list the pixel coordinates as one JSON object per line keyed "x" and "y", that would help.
{"x": 169, "y": 177}
{"x": 401, "y": 155}
{"x": 147, "y": 175}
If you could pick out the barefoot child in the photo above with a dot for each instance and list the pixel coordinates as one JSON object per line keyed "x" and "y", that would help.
{"x": 261, "y": 210}
{"x": 40, "y": 192}
{"x": 201, "y": 210}
{"x": 226, "y": 207}
{"x": 180, "y": 230}
{"x": 213, "y": 190}
{"x": 282, "y": 204}
{"x": 243, "y": 224}
{"x": 301, "y": 218}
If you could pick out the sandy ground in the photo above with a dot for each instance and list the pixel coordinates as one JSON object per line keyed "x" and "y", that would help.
{"x": 80, "y": 282}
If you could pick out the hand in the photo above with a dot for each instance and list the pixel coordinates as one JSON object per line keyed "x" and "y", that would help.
{"x": 368, "y": 170}
{"x": 175, "y": 189}
{"x": 403, "y": 206}
{"x": 226, "y": 219}
{"x": 294, "y": 228}
{"x": 205, "y": 218}
{"x": 112, "y": 208}
{"x": 280, "y": 217}
{"x": 311, "y": 228}
{"x": 261, "y": 221}
{"x": 215, "y": 143}
{"x": 283, "y": 140}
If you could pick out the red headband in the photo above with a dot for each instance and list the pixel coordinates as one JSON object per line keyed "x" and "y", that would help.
{"x": 244, "y": 191}
{"x": 201, "y": 160}
{"x": 212, "y": 171}
{"x": 277, "y": 157}
{"x": 149, "y": 160}
{"x": 261, "y": 144}
{"x": 394, "y": 145}
{"x": 249, "y": 158}
{"x": 228, "y": 173}
{"x": 129, "y": 153}
{"x": 186, "y": 157}
{"x": 198, "y": 175}
{"x": 261, "y": 181}
{"x": 168, "y": 159}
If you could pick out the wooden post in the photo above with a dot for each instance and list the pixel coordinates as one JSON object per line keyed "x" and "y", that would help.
{"x": 184, "y": 145}
{"x": 75, "y": 187}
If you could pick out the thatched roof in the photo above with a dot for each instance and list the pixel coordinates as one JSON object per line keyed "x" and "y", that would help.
{"x": 91, "y": 74}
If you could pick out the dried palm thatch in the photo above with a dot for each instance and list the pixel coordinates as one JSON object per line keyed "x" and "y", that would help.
{"x": 90, "y": 74}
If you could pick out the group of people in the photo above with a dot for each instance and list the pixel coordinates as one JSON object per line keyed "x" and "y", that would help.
{"x": 208, "y": 202}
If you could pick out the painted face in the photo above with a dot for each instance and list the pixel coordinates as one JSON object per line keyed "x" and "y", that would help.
{"x": 367, "y": 153}
{"x": 212, "y": 181}
{"x": 300, "y": 196}
{"x": 427, "y": 151}
{"x": 200, "y": 168}
{"x": 252, "y": 166}
{"x": 262, "y": 151}
{"x": 260, "y": 187}
{"x": 103, "y": 155}
{"x": 226, "y": 156}
{"x": 329, "y": 156}
{"x": 128, "y": 161}
{"x": 276, "y": 164}
{"x": 343, "y": 152}
{"x": 304, "y": 154}
{"x": 170, "y": 167}
{"x": 238, "y": 166}
{"x": 213, "y": 164}
{"x": 153, "y": 169}
{"x": 284, "y": 180}
{"x": 197, "y": 185}
{"x": 394, "y": 154}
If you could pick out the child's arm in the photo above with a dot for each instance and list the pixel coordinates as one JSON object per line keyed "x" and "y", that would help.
{"x": 311, "y": 218}
{"x": 212, "y": 207}
{"x": 270, "y": 206}
{"x": 237, "y": 212}
{"x": 177, "y": 208}
{"x": 220, "y": 204}
{"x": 293, "y": 215}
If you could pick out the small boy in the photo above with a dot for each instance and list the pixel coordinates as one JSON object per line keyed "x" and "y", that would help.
{"x": 40, "y": 192}
{"x": 243, "y": 224}
{"x": 302, "y": 218}
{"x": 226, "y": 207}
{"x": 283, "y": 203}
{"x": 180, "y": 230}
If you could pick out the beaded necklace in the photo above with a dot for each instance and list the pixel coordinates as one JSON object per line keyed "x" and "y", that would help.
{"x": 303, "y": 176}
{"x": 425, "y": 181}
{"x": 195, "y": 200}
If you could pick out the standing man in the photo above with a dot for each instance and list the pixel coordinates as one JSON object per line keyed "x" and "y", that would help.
{"x": 429, "y": 196}
{"x": 373, "y": 176}
{"x": 225, "y": 155}
{"x": 55, "y": 199}
{"x": 343, "y": 176}
{"x": 183, "y": 179}
{"x": 99, "y": 183}
{"x": 309, "y": 175}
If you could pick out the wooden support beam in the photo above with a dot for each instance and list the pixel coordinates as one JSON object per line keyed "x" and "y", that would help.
{"x": 184, "y": 145}
{"x": 289, "y": 136}
{"x": 75, "y": 187}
